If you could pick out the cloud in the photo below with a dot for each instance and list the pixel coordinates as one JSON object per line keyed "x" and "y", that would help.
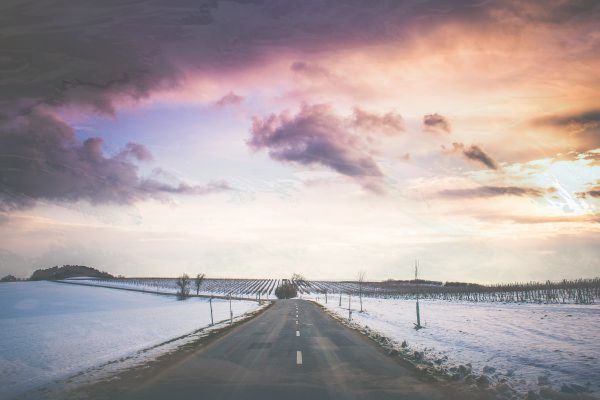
{"x": 41, "y": 159}
{"x": 317, "y": 136}
{"x": 390, "y": 123}
{"x": 492, "y": 191}
{"x": 541, "y": 219}
{"x": 555, "y": 219}
{"x": 584, "y": 126}
{"x": 475, "y": 153}
{"x": 310, "y": 70}
{"x": 136, "y": 151}
{"x": 230, "y": 99}
{"x": 436, "y": 123}
{"x": 593, "y": 192}
{"x": 95, "y": 55}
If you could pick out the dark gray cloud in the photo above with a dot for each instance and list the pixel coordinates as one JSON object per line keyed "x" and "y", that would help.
{"x": 316, "y": 136}
{"x": 492, "y": 191}
{"x": 41, "y": 159}
{"x": 436, "y": 123}
{"x": 230, "y": 99}
{"x": 475, "y": 153}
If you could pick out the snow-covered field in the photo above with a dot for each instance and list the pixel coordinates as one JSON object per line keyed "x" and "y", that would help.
{"x": 530, "y": 346}
{"x": 51, "y": 330}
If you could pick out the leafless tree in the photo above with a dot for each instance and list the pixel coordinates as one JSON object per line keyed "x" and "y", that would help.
{"x": 183, "y": 284}
{"x": 361, "y": 280}
{"x": 198, "y": 282}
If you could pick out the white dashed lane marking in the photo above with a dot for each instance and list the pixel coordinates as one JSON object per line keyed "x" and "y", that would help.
{"x": 297, "y": 333}
{"x": 299, "y": 357}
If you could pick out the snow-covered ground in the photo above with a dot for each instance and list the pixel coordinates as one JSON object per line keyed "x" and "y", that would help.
{"x": 51, "y": 330}
{"x": 526, "y": 344}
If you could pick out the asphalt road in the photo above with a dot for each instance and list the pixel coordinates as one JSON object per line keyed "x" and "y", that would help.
{"x": 291, "y": 351}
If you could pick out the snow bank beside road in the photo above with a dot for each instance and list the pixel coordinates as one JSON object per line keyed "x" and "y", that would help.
{"x": 52, "y": 330}
{"x": 530, "y": 346}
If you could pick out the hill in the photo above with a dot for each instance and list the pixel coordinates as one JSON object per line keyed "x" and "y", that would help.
{"x": 67, "y": 271}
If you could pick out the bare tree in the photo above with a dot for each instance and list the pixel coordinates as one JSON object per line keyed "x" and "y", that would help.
{"x": 198, "y": 282}
{"x": 361, "y": 281}
{"x": 183, "y": 283}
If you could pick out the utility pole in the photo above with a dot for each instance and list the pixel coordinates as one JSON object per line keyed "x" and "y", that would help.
{"x": 418, "y": 324}
{"x": 212, "y": 322}
{"x": 340, "y": 298}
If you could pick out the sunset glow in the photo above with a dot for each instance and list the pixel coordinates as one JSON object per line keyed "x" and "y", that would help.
{"x": 275, "y": 138}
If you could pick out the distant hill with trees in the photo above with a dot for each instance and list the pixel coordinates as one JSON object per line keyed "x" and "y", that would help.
{"x": 67, "y": 271}
{"x": 8, "y": 278}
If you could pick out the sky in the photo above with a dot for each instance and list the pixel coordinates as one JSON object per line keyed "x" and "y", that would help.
{"x": 262, "y": 138}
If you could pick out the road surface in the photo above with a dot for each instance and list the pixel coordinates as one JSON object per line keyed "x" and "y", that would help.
{"x": 291, "y": 351}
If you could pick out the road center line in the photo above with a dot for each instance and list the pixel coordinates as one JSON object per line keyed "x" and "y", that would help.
{"x": 297, "y": 333}
{"x": 299, "y": 357}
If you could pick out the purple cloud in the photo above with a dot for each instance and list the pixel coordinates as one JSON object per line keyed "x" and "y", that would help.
{"x": 475, "y": 153}
{"x": 316, "y": 136}
{"x": 436, "y": 123}
{"x": 230, "y": 99}
{"x": 390, "y": 123}
{"x": 309, "y": 70}
{"x": 493, "y": 191}
{"x": 42, "y": 159}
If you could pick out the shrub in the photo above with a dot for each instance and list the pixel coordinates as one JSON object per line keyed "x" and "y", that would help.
{"x": 286, "y": 291}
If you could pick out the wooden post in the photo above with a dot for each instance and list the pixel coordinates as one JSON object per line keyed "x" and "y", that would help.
{"x": 212, "y": 322}
{"x": 418, "y": 324}
{"x": 349, "y": 309}
{"x": 230, "y": 311}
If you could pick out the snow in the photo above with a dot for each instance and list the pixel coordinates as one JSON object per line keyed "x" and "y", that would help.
{"x": 521, "y": 341}
{"x": 51, "y": 330}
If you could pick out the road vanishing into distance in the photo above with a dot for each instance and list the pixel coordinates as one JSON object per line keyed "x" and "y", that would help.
{"x": 293, "y": 350}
